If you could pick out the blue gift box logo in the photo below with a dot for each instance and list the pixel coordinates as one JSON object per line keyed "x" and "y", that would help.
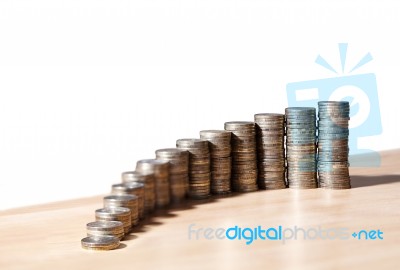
{"x": 360, "y": 90}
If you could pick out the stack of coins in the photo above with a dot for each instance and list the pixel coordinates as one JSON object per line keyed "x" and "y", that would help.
{"x": 121, "y": 214}
{"x": 128, "y": 201}
{"x": 199, "y": 166}
{"x": 132, "y": 188}
{"x": 149, "y": 188}
{"x": 106, "y": 242}
{"x": 301, "y": 147}
{"x": 102, "y": 228}
{"x": 219, "y": 142}
{"x": 270, "y": 130}
{"x": 244, "y": 156}
{"x": 178, "y": 171}
{"x": 160, "y": 169}
{"x": 333, "y": 150}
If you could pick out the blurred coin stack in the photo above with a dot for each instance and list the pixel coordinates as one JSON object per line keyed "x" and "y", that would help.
{"x": 270, "y": 130}
{"x": 128, "y": 201}
{"x": 160, "y": 169}
{"x": 178, "y": 171}
{"x": 333, "y": 150}
{"x": 244, "y": 156}
{"x": 106, "y": 242}
{"x": 132, "y": 188}
{"x": 199, "y": 166}
{"x": 301, "y": 147}
{"x": 149, "y": 188}
{"x": 121, "y": 214}
{"x": 219, "y": 142}
{"x": 102, "y": 228}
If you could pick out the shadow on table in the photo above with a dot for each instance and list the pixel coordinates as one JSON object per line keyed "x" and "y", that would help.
{"x": 121, "y": 246}
{"x": 170, "y": 212}
{"x": 359, "y": 181}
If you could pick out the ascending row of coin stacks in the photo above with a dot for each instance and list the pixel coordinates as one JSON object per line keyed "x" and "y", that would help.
{"x": 333, "y": 150}
{"x": 113, "y": 222}
{"x": 270, "y": 128}
{"x": 219, "y": 142}
{"x": 240, "y": 157}
{"x": 129, "y": 201}
{"x": 244, "y": 156}
{"x": 301, "y": 147}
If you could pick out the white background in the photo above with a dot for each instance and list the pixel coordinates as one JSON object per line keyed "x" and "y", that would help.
{"x": 89, "y": 87}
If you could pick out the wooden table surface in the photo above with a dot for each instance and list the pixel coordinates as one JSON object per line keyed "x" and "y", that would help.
{"x": 48, "y": 236}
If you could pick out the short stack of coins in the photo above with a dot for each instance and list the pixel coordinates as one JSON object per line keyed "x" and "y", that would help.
{"x": 121, "y": 214}
{"x": 219, "y": 142}
{"x": 106, "y": 242}
{"x": 102, "y": 228}
{"x": 132, "y": 188}
{"x": 270, "y": 130}
{"x": 149, "y": 188}
{"x": 301, "y": 147}
{"x": 244, "y": 156}
{"x": 160, "y": 169}
{"x": 128, "y": 201}
{"x": 178, "y": 172}
{"x": 199, "y": 166}
{"x": 333, "y": 150}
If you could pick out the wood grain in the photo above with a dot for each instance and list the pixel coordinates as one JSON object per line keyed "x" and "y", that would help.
{"x": 48, "y": 236}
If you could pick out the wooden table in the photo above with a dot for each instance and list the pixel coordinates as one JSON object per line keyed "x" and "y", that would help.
{"x": 48, "y": 236}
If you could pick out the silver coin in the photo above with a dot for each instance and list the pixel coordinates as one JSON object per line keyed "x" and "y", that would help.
{"x": 106, "y": 242}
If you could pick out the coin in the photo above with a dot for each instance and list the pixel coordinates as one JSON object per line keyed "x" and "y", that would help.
{"x": 178, "y": 172}
{"x": 270, "y": 134}
{"x": 101, "y": 228}
{"x": 149, "y": 187}
{"x": 199, "y": 166}
{"x": 128, "y": 201}
{"x": 301, "y": 147}
{"x": 105, "y": 242}
{"x": 133, "y": 188}
{"x": 244, "y": 155}
{"x": 333, "y": 150}
{"x": 160, "y": 169}
{"x": 219, "y": 142}
{"x": 121, "y": 214}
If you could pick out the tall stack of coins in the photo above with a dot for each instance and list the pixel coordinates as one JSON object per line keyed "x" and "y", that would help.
{"x": 333, "y": 150}
{"x": 160, "y": 169}
{"x": 199, "y": 166}
{"x": 219, "y": 142}
{"x": 149, "y": 188}
{"x": 132, "y": 188}
{"x": 121, "y": 214}
{"x": 270, "y": 130}
{"x": 106, "y": 242}
{"x": 301, "y": 147}
{"x": 244, "y": 156}
{"x": 128, "y": 201}
{"x": 101, "y": 228}
{"x": 178, "y": 171}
